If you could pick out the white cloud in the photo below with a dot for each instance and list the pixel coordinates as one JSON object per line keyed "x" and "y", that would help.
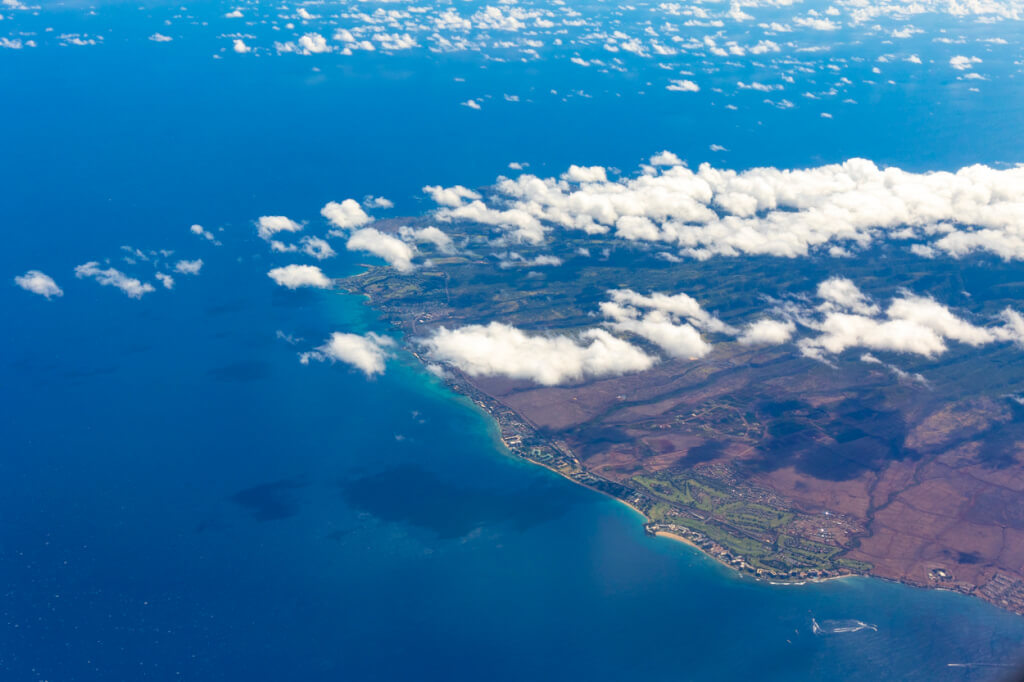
{"x": 313, "y": 43}
{"x": 1013, "y": 330}
{"x": 767, "y": 332}
{"x": 429, "y": 235}
{"x": 840, "y": 293}
{"x": 38, "y": 283}
{"x": 295, "y": 276}
{"x": 202, "y": 232}
{"x": 676, "y": 338}
{"x": 816, "y": 23}
{"x": 160, "y": 38}
{"x": 666, "y": 158}
{"x": 397, "y": 253}
{"x": 585, "y": 174}
{"x": 367, "y": 353}
{"x": 840, "y": 331}
{"x": 189, "y": 267}
{"x": 378, "y": 202}
{"x": 317, "y": 248}
{"x": 962, "y": 63}
{"x": 769, "y": 211}
{"x": 280, "y": 247}
{"x": 501, "y": 350}
{"x": 345, "y": 215}
{"x": 132, "y": 287}
{"x": 165, "y": 279}
{"x": 472, "y": 104}
{"x": 682, "y": 86}
{"x": 931, "y": 314}
{"x": 512, "y": 259}
{"x": 450, "y": 196}
{"x": 680, "y": 305}
{"x": 910, "y": 324}
{"x": 239, "y": 46}
{"x": 269, "y": 225}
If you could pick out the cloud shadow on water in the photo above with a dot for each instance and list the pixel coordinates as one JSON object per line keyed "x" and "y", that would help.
{"x": 270, "y": 501}
{"x": 418, "y": 498}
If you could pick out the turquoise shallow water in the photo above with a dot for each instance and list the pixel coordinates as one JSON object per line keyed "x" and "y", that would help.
{"x": 185, "y": 498}
{"x": 182, "y": 499}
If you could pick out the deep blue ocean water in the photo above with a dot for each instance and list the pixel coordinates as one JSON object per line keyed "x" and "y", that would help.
{"x": 182, "y": 499}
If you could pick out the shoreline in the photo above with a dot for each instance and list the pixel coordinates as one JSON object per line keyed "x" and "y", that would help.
{"x": 510, "y": 429}
{"x": 675, "y": 537}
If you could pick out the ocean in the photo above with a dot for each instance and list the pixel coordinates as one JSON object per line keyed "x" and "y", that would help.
{"x": 183, "y": 500}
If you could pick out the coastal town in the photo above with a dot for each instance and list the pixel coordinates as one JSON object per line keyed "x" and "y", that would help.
{"x": 663, "y": 517}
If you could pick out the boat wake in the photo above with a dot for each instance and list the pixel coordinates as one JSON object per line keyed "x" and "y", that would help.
{"x": 840, "y": 627}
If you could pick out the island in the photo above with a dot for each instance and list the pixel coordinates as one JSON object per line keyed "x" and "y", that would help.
{"x": 784, "y": 466}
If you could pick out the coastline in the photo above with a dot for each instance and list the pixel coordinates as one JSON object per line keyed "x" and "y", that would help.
{"x": 521, "y": 439}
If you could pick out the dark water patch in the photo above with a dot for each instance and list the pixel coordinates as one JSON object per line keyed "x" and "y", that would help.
{"x": 82, "y": 374}
{"x": 340, "y": 534}
{"x": 293, "y": 298}
{"x": 419, "y": 498}
{"x": 134, "y": 348}
{"x": 225, "y": 308}
{"x": 270, "y": 501}
{"x": 241, "y": 371}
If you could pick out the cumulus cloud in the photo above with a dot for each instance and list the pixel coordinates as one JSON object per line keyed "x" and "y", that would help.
{"x": 450, "y": 196}
{"x": 396, "y": 252}
{"x": 910, "y": 324}
{"x": 189, "y": 267}
{"x": 269, "y": 225}
{"x": 682, "y": 86}
{"x": 670, "y": 321}
{"x": 962, "y": 63}
{"x": 429, "y": 235}
{"x": 345, "y": 215}
{"x": 38, "y": 283}
{"x": 295, "y": 276}
{"x": 665, "y": 158}
{"x": 165, "y": 279}
{"x": 317, "y": 248}
{"x": 512, "y": 259}
{"x": 367, "y": 353}
{"x": 676, "y": 338}
{"x": 200, "y": 231}
{"x": 501, "y": 350}
{"x": 842, "y": 294}
{"x": 585, "y": 174}
{"x": 131, "y": 287}
{"x": 836, "y": 209}
{"x": 679, "y": 305}
{"x": 767, "y": 332}
{"x": 313, "y": 43}
{"x": 378, "y": 202}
